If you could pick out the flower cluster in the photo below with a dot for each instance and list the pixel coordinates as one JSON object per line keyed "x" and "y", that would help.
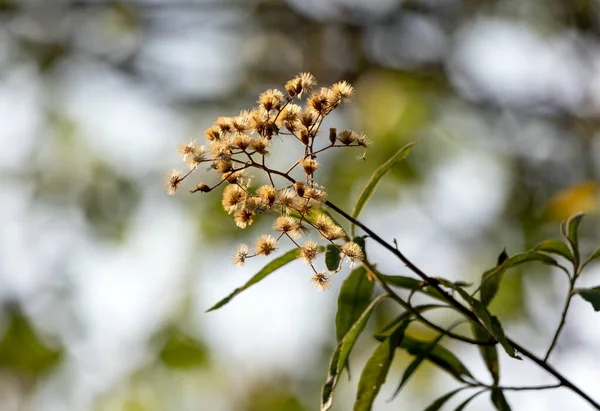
{"x": 236, "y": 144}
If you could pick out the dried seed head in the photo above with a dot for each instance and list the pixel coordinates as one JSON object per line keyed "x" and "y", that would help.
{"x": 271, "y": 99}
{"x": 235, "y": 177}
{"x": 299, "y": 187}
{"x": 266, "y": 244}
{"x": 307, "y": 118}
{"x": 309, "y": 251}
{"x": 306, "y": 205}
{"x": 258, "y": 120}
{"x": 363, "y": 140}
{"x": 317, "y": 194}
{"x": 243, "y": 218}
{"x": 239, "y": 258}
{"x": 287, "y": 198}
{"x": 241, "y": 123}
{"x": 224, "y": 124}
{"x": 310, "y": 166}
{"x": 302, "y": 82}
{"x": 321, "y": 281}
{"x": 332, "y": 135}
{"x": 223, "y": 166}
{"x": 289, "y": 226}
{"x": 233, "y": 196}
{"x": 304, "y": 136}
{"x": 353, "y": 253}
{"x": 328, "y": 229}
{"x": 289, "y": 114}
{"x": 260, "y": 145}
{"x": 174, "y": 179}
{"x": 270, "y": 130}
{"x": 347, "y": 137}
{"x": 268, "y": 194}
{"x": 321, "y": 101}
{"x": 187, "y": 149}
{"x": 204, "y": 188}
{"x": 213, "y": 133}
{"x": 342, "y": 91}
{"x": 241, "y": 141}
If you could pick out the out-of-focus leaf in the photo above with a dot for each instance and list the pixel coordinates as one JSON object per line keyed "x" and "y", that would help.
{"x": 376, "y": 369}
{"x": 591, "y": 295}
{"x": 409, "y": 283}
{"x": 466, "y": 402}
{"x": 439, "y": 403}
{"x": 490, "y": 280}
{"x": 489, "y": 353}
{"x": 489, "y": 322}
{"x": 182, "y": 351}
{"x": 578, "y": 198}
{"x": 387, "y": 330}
{"x": 267, "y": 269}
{"x": 555, "y": 247}
{"x": 369, "y": 189}
{"x": 498, "y": 400}
{"x": 333, "y": 260}
{"x": 595, "y": 254}
{"x": 21, "y": 349}
{"x": 354, "y": 297}
{"x": 452, "y": 284}
{"x": 569, "y": 230}
{"x": 340, "y": 356}
{"x": 439, "y": 355}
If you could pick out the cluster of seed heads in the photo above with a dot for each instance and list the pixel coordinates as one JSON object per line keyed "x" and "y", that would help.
{"x": 236, "y": 144}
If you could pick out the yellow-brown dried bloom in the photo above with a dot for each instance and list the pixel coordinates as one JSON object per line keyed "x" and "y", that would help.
{"x": 259, "y": 119}
{"x": 187, "y": 149}
{"x": 241, "y": 123}
{"x": 299, "y": 187}
{"x": 342, "y": 91}
{"x": 363, "y": 140}
{"x": 235, "y": 177}
{"x": 260, "y": 145}
{"x": 347, "y": 137}
{"x": 289, "y": 226}
{"x": 287, "y": 198}
{"x": 223, "y": 166}
{"x": 241, "y": 141}
{"x": 310, "y": 166}
{"x": 174, "y": 179}
{"x": 239, "y": 258}
{"x": 243, "y": 218}
{"x": 317, "y": 194}
{"x": 309, "y": 251}
{"x": 224, "y": 124}
{"x": 203, "y": 188}
{"x": 271, "y": 99}
{"x": 328, "y": 228}
{"x": 307, "y": 118}
{"x": 302, "y": 82}
{"x": 321, "y": 281}
{"x": 195, "y": 157}
{"x": 321, "y": 101}
{"x": 213, "y": 133}
{"x": 353, "y": 253}
{"x": 233, "y": 196}
{"x": 268, "y": 194}
{"x": 266, "y": 244}
{"x": 289, "y": 114}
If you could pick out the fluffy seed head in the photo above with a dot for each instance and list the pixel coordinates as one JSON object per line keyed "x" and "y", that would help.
{"x": 353, "y": 253}
{"x": 213, "y": 133}
{"x": 233, "y": 196}
{"x": 224, "y": 124}
{"x": 174, "y": 179}
{"x": 321, "y": 281}
{"x": 260, "y": 145}
{"x": 243, "y": 218}
{"x": 347, "y": 137}
{"x": 342, "y": 91}
{"x": 266, "y": 244}
{"x": 268, "y": 194}
{"x": 241, "y": 253}
{"x": 321, "y": 101}
{"x": 271, "y": 99}
{"x": 309, "y": 251}
{"x": 310, "y": 166}
{"x": 289, "y": 225}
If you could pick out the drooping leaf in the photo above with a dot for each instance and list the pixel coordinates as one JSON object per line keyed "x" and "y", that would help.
{"x": 340, "y": 356}
{"x": 489, "y": 322}
{"x": 333, "y": 260}
{"x": 498, "y": 400}
{"x": 412, "y": 367}
{"x": 591, "y": 295}
{"x": 387, "y": 330}
{"x": 439, "y": 355}
{"x": 555, "y": 247}
{"x": 489, "y": 353}
{"x": 266, "y": 270}
{"x": 439, "y": 403}
{"x": 376, "y": 369}
{"x": 369, "y": 189}
{"x": 490, "y": 280}
{"x": 466, "y": 402}
{"x": 354, "y": 297}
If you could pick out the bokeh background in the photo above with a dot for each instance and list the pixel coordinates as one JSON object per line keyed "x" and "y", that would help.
{"x": 104, "y": 279}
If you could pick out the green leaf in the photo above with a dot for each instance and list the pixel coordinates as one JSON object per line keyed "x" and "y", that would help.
{"x": 466, "y": 402}
{"x": 489, "y": 322}
{"x": 369, "y": 189}
{"x": 333, "y": 260}
{"x": 555, "y": 247}
{"x": 591, "y": 295}
{"x": 489, "y": 353}
{"x": 267, "y": 269}
{"x": 340, "y": 356}
{"x": 490, "y": 280}
{"x": 182, "y": 351}
{"x": 439, "y": 403}
{"x": 412, "y": 367}
{"x": 376, "y": 369}
{"x": 595, "y": 254}
{"x": 569, "y": 230}
{"x": 387, "y": 330}
{"x": 439, "y": 355}
{"x": 498, "y": 400}
{"x": 354, "y": 297}
{"x": 410, "y": 283}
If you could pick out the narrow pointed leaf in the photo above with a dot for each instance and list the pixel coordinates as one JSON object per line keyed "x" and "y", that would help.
{"x": 369, "y": 189}
{"x": 333, "y": 260}
{"x": 489, "y": 322}
{"x": 267, "y": 269}
{"x": 498, "y": 400}
{"x": 466, "y": 402}
{"x": 340, "y": 356}
{"x": 489, "y": 353}
{"x": 595, "y": 254}
{"x": 409, "y": 283}
{"x": 555, "y": 247}
{"x": 354, "y": 297}
{"x": 439, "y": 403}
{"x": 376, "y": 369}
{"x": 569, "y": 230}
{"x": 439, "y": 355}
{"x": 387, "y": 330}
{"x": 591, "y": 295}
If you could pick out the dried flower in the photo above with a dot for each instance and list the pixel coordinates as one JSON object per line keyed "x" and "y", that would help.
{"x": 353, "y": 253}
{"x": 203, "y": 188}
{"x": 243, "y": 218}
{"x": 363, "y": 140}
{"x": 213, "y": 133}
{"x": 174, "y": 179}
{"x": 266, "y": 244}
{"x": 224, "y": 124}
{"x": 342, "y": 91}
{"x": 316, "y": 194}
{"x": 289, "y": 225}
{"x": 233, "y": 196}
{"x": 268, "y": 194}
{"x": 310, "y": 166}
{"x": 347, "y": 137}
{"x": 260, "y": 145}
{"x": 302, "y": 82}
{"x": 241, "y": 123}
{"x": 271, "y": 99}
{"x": 187, "y": 149}
{"x": 328, "y": 229}
{"x": 241, "y": 141}
{"x": 239, "y": 258}
{"x": 309, "y": 251}
{"x": 321, "y": 101}
{"x": 321, "y": 281}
